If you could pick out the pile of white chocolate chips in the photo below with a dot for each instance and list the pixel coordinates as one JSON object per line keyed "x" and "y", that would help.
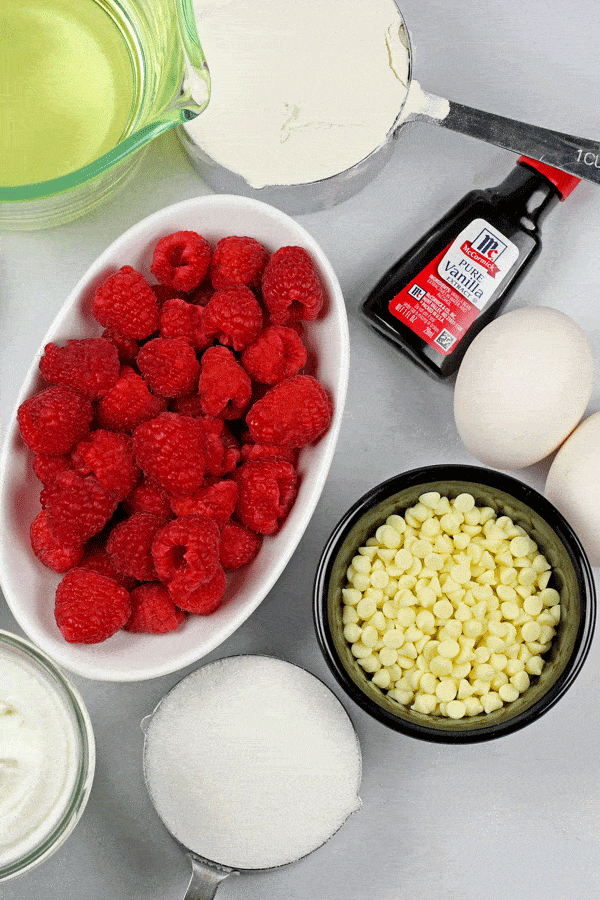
{"x": 448, "y": 608}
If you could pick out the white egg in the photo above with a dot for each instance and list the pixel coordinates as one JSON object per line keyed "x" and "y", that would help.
{"x": 522, "y": 387}
{"x": 573, "y": 484}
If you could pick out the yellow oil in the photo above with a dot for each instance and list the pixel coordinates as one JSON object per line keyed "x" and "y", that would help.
{"x": 67, "y": 87}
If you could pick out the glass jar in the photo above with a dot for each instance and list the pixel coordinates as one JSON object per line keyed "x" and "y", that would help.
{"x": 47, "y": 756}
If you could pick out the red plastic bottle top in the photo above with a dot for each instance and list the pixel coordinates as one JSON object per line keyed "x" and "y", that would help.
{"x": 562, "y": 181}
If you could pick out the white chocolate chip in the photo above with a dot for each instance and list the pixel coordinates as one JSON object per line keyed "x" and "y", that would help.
{"x": 508, "y": 693}
{"x": 425, "y": 703}
{"x": 382, "y": 678}
{"x": 361, "y": 564}
{"x": 430, "y": 499}
{"x": 352, "y": 633}
{"x": 492, "y": 701}
{"x": 456, "y": 709}
{"x": 449, "y": 648}
{"x": 446, "y": 689}
{"x": 448, "y": 608}
{"x": 366, "y": 607}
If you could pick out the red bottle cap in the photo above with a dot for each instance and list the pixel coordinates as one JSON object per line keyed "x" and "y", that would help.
{"x": 562, "y": 181}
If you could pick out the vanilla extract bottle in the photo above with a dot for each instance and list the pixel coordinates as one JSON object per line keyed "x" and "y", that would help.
{"x": 439, "y": 295}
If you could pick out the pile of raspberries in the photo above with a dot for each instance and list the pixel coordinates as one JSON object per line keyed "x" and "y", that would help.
{"x": 167, "y": 448}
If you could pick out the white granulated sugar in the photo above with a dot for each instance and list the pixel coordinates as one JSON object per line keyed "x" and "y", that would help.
{"x": 300, "y": 90}
{"x": 252, "y": 762}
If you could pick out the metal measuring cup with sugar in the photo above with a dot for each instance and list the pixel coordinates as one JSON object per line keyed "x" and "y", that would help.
{"x": 251, "y": 763}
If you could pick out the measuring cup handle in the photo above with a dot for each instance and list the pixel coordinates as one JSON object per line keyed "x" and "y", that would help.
{"x": 205, "y": 879}
{"x": 578, "y": 156}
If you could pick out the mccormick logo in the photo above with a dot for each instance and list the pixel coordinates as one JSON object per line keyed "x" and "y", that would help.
{"x": 485, "y": 250}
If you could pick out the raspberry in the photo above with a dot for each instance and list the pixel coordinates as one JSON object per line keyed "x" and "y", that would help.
{"x": 129, "y": 403}
{"x": 231, "y": 453}
{"x": 233, "y": 317}
{"x": 291, "y": 286}
{"x": 277, "y": 353}
{"x": 78, "y": 507}
{"x": 128, "y": 546}
{"x": 127, "y": 303}
{"x": 186, "y": 553}
{"x": 268, "y": 451}
{"x": 237, "y": 260}
{"x": 203, "y": 600}
{"x": 164, "y": 293}
{"x": 169, "y": 366}
{"x": 127, "y": 347}
{"x": 221, "y": 449}
{"x": 148, "y": 497}
{"x": 89, "y": 607}
{"x": 217, "y": 501}
{"x": 267, "y": 489}
{"x": 181, "y": 260}
{"x": 108, "y": 456}
{"x": 153, "y": 610}
{"x": 212, "y": 445}
{"x": 96, "y": 559}
{"x": 189, "y": 405}
{"x": 225, "y": 389}
{"x": 201, "y": 295}
{"x": 91, "y": 365}
{"x": 239, "y": 545}
{"x": 53, "y": 420}
{"x": 169, "y": 451}
{"x": 183, "y": 320}
{"x": 46, "y": 468}
{"x": 293, "y": 413}
{"x": 49, "y": 551}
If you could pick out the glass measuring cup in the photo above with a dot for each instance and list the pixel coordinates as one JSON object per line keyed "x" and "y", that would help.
{"x": 50, "y": 752}
{"x": 252, "y": 761}
{"x": 162, "y": 43}
{"x": 578, "y": 156}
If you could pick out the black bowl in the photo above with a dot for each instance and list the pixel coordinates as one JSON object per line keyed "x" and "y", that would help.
{"x": 572, "y": 577}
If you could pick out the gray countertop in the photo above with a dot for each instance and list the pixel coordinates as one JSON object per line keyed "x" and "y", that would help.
{"x": 518, "y": 818}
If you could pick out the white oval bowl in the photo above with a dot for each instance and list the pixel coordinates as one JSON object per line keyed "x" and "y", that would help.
{"x": 29, "y": 586}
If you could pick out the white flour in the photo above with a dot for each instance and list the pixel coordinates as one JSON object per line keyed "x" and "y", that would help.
{"x": 252, "y": 762}
{"x": 420, "y": 103}
{"x": 300, "y": 90}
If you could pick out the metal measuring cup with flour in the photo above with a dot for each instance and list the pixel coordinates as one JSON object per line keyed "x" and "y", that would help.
{"x": 307, "y": 99}
{"x": 251, "y": 763}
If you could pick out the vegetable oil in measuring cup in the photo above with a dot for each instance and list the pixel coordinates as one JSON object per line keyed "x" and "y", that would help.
{"x": 456, "y": 279}
{"x": 68, "y": 76}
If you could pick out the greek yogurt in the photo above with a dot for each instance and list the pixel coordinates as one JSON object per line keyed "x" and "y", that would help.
{"x": 40, "y": 756}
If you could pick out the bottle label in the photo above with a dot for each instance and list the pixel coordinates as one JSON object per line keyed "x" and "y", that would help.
{"x": 445, "y": 298}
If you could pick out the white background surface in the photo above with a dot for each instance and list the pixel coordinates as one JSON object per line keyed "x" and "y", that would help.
{"x": 518, "y": 818}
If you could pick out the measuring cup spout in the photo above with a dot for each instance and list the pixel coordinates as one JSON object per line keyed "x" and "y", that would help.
{"x": 193, "y": 80}
{"x": 205, "y": 879}
{"x": 187, "y": 69}
{"x": 196, "y": 86}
